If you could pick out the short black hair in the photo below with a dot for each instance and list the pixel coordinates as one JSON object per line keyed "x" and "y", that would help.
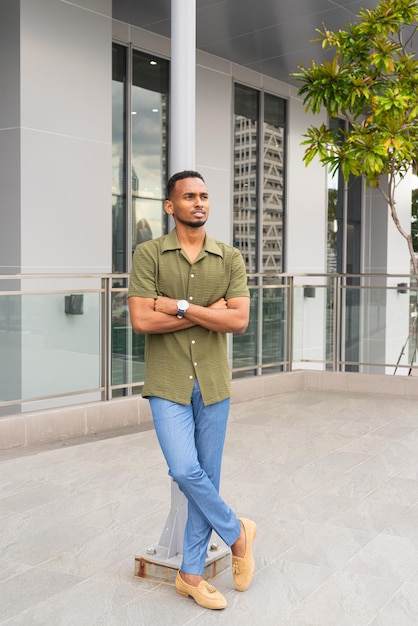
{"x": 179, "y": 176}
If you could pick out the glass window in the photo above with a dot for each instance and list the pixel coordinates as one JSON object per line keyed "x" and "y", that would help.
{"x": 344, "y": 250}
{"x": 335, "y": 215}
{"x": 246, "y": 114}
{"x": 144, "y": 100}
{"x": 149, "y": 146}
{"x": 344, "y": 219}
{"x": 273, "y": 184}
{"x": 118, "y": 158}
{"x": 258, "y": 222}
{"x": 140, "y": 117}
{"x": 259, "y": 184}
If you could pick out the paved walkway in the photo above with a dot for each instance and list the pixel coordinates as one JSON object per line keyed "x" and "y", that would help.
{"x": 331, "y": 480}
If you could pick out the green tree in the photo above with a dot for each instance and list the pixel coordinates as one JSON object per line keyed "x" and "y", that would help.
{"x": 372, "y": 83}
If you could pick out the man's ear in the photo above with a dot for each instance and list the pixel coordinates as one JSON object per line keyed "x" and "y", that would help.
{"x": 168, "y": 206}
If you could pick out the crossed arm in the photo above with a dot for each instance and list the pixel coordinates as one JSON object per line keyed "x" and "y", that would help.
{"x": 159, "y": 315}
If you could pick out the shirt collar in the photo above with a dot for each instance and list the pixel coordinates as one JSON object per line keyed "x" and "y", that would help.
{"x": 171, "y": 242}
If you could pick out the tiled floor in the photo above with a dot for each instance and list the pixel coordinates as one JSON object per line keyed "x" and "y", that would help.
{"x": 331, "y": 480}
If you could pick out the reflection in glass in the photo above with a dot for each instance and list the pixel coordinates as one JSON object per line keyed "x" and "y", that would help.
{"x": 246, "y": 114}
{"x": 245, "y": 347}
{"x": 124, "y": 369}
{"x": 118, "y": 159}
{"x": 343, "y": 249}
{"x": 274, "y": 326}
{"x": 335, "y": 213}
{"x": 258, "y": 230}
{"x": 264, "y": 343}
{"x": 273, "y": 183}
{"x": 249, "y": 220}
{"x": 142, "y": 183}
{"x": 149, "y": 117}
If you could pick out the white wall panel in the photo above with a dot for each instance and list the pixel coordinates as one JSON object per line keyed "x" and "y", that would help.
{"x": 214, "y": 102}
{"x": 306, "y": 217}
{"x": 65, "y": 69}
{"x": 66, "y": 139}
{"x": 66, "y": 204}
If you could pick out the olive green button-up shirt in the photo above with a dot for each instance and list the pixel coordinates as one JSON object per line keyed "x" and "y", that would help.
{"x": 174, "y": 360}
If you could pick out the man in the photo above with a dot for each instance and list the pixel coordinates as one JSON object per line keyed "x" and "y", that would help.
{"x": 186, "y": 292}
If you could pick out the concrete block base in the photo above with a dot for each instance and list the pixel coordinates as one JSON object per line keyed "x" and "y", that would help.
{"x": 166, "y": 570}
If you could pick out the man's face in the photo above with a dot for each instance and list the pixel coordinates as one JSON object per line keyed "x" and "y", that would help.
{"x": 189, "y": 202}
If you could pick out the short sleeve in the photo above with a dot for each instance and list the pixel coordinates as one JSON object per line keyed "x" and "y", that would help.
{"x": 238, "y": 286}
{"x": 143, "y": 277}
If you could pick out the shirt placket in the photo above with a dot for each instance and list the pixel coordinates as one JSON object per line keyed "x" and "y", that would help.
{"x": 193, "y": 341}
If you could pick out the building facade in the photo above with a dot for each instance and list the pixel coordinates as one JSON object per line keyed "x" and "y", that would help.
{"x": 84, "y": 139}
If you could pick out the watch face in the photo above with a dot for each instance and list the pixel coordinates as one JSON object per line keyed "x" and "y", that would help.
{"x": 182, "y": 305}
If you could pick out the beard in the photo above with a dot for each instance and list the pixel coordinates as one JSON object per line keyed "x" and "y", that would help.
{"x": 195, "y": 224}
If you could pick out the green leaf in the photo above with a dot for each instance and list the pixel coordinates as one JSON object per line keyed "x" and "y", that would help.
{"x": 372, "y": 82}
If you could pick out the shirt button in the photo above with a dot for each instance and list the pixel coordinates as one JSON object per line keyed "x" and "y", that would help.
{"x": 193, "y": 341}
{"x": 191, "y": 377}
{"x": 191, "y": 298}
{"x": 191, "y": 275}
{"x": 195, "y": 364}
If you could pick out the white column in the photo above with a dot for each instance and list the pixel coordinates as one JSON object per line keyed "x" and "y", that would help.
{"x": 183, "y": 85}
{"x": 182, "y": 157}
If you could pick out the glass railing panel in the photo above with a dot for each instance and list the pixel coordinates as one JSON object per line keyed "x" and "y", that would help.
{"x": 245, "y": 347}
{"x": 10, "y": 348}
{"x": 412, "y": 347}
{"x": 138, "y": 358}
{"x": 66, "y": 336}
{"x": 120, "y": 339}
{"x": 50, "y": 345}
{"x": 378, "y": 326}
{"x": 264, "y": 345}
{"x": 127, "y": 348}
{"x": 330, "y": 322}
{"x": 311, "y": 319}
{"x": 274, "y": 325}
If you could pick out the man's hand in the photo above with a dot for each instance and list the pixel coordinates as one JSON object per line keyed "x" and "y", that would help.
{"x": 156, "y": 316}
{"x": 163, "y": 304}
{"x": 222, "y": 316}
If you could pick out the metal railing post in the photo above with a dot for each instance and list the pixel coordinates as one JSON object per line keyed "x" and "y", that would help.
{"x": 337, "y": 324}
{"x": 289, "y": 330}
{"x": 106, "y": 331}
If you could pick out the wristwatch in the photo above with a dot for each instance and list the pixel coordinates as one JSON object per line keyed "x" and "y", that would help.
{"x": 182, "y": 306}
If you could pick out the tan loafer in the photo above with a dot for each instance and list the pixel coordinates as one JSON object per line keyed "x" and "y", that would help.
{"x": 243, "y": 567}
{"x": 204, "y": 594}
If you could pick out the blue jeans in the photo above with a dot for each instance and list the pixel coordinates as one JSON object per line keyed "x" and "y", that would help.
{"x": 192, "y": 440}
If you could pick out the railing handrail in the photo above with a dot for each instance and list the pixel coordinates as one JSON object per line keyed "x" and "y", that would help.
{"x": 125, "y": 275}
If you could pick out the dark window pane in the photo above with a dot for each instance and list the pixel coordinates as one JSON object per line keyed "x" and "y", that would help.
{"x": 246, "y": 116}
{"x": 273, "y": 183}
{"x": 118, "y": 158}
